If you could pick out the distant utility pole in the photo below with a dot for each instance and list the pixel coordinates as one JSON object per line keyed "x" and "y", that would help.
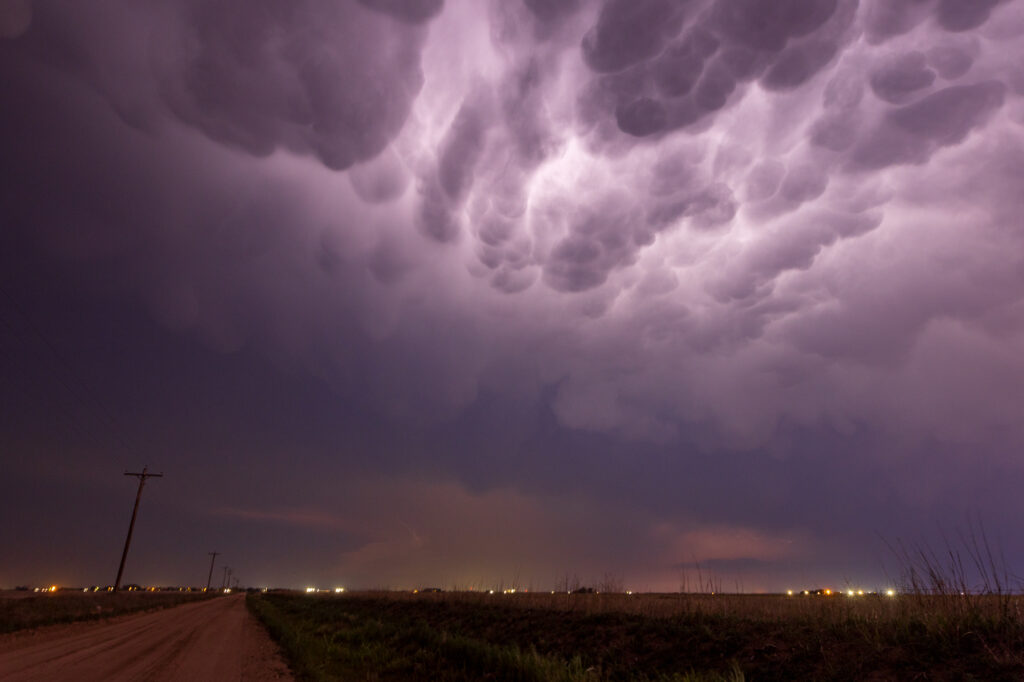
{"x": 213, "y": 557}
{"x": 224, "y": 580}
{"x": 142, "y": 476}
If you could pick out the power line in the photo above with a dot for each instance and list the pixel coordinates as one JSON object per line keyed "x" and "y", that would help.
{"x": 89, "y": 400}
{"x": 37, "y": 392}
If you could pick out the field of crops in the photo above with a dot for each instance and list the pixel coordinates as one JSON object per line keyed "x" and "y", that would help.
{"x": 19, "y": 611}
{"x": 472, "y": 636}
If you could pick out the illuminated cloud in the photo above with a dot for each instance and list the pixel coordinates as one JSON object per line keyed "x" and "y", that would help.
{"x": 678, "y": 178}
{"x": 715, "y": 227}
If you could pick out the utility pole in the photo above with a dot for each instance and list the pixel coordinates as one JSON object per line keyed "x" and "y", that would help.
{"x": 213, "y": 557}
{"x": 142, "y": 476}
{"x": 224, "y": 580}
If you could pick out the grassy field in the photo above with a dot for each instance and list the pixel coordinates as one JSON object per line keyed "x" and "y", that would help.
{"x": 473, "y": 636}
{"x": 66, "y": 607}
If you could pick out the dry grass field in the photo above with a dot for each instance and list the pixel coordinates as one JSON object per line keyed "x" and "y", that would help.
{"x": 470, "y": 636}
{"x": 21, "y": 610}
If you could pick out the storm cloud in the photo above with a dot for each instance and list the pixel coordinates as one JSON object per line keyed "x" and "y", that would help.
{"x": 708, "y": 231}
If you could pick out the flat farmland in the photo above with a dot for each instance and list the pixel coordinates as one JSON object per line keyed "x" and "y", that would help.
{"x": 471, "y": 636}
{"x": 20, "y": 610}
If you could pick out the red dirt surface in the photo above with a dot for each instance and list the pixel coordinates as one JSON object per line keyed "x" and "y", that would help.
{"x": 217, "y": 639}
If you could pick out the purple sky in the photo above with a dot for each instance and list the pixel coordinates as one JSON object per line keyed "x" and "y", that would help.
{"x": 481, "y": 292}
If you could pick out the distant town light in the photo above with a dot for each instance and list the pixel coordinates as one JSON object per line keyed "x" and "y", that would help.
{"x": 789, "y": 593}
{"x": 890, "y": 593}
{"x": 339, "y": 589}
{"x": 310, "y": 589}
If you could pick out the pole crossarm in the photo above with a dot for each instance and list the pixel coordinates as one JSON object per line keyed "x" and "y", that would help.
{"x": 143, "y": 474}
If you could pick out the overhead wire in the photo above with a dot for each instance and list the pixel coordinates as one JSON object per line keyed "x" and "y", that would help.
{"x": 63, "y": 372}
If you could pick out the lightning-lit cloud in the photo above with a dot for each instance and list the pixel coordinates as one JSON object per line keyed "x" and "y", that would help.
{"x": 697, "y": 224}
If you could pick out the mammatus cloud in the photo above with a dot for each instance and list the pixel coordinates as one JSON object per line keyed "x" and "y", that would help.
{"x": 673, "y": 221}
{"x": 332, "y": 79}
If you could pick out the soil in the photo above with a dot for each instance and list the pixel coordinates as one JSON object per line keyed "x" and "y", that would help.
{"x": 217, "y": 639}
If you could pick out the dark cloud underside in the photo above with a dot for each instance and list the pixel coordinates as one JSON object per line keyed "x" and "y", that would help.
{"x": 640, "y": 246}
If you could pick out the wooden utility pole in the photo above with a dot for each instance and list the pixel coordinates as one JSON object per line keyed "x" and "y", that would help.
{"x": 213, "y": 557}
{"x": 142, "y": 476}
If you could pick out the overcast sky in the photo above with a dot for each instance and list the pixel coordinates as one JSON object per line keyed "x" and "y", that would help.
{"x": 491, "y": 292}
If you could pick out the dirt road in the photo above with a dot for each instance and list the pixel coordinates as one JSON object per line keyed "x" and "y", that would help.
{"x": 216, "y": 639}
